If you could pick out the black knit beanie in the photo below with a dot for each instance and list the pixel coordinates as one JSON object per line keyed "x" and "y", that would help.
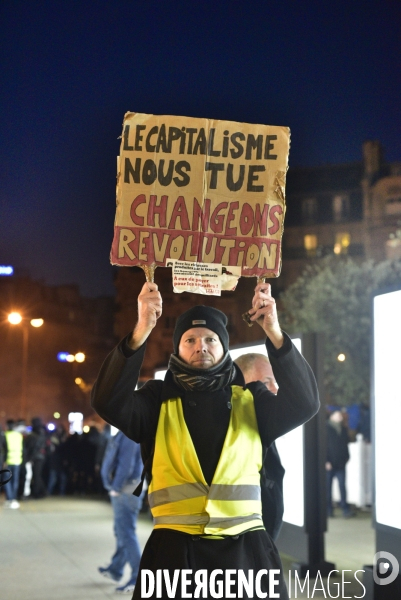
{"x": 201, "y": 316}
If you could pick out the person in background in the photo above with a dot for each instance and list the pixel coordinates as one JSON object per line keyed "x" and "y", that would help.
{"x": 13, "y": 457}
{"x": 57, "y": 467}
{"x": 35, "y": 454}
{"x": 336, "y": 458}
{"x": 257, "y": 367}
{"x": 121, "y": 473}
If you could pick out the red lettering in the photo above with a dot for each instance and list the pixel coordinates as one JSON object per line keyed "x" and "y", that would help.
{"x": 231, "y": 230}
{"x": 217, "y": 221}
{"x": 179, "y": 211}
{"x": 202, "y": 214}
{"x": 246, "y": 219}
{"x": 141, "y": 199}
{"x": 276, "y": 223}
{"x": 260, "y": 220}
{"x": 157, "y": 209}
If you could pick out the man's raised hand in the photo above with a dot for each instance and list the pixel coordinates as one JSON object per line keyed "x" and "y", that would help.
{"x": 149, "y": 310}
{"x": 264, "y": 312}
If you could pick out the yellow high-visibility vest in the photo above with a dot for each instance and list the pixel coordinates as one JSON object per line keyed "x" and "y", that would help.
{"x": 14, "y": 447}
{"x": 179, "y": 496}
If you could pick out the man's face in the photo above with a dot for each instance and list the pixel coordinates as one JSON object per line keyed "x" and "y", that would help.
{"x": 200, "y": 348}
{"x": 262, "y": 371}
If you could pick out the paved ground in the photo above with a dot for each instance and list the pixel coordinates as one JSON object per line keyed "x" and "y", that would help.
{"x": 50, "y": 550}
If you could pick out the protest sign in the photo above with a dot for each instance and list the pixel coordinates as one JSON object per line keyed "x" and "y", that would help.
{"x": 200, "y": 191}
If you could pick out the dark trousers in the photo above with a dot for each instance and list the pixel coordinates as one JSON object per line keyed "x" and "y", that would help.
{"x": 340, "y": 475}
{"x": 38, "y": 486}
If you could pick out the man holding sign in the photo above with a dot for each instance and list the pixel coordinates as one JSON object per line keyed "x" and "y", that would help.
{"x": 202, "y": 432}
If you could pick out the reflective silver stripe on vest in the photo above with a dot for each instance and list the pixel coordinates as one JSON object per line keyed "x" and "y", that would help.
{"x": 199, "y": 519}
{"x": 219, "y": 491}
{"x": 227, "y": 522}
{"x": 176, "y": 493}
{"x": 203, "y": 519}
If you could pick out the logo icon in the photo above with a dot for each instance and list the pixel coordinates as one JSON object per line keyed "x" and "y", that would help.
{"x": 385, "y": 568}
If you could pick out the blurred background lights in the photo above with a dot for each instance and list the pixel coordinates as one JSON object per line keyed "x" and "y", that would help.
{"x": 37, "y": 322}
{"x": 75, "y": 420}
{"x": 70, "y": 358}
{"x": 341, "y": 357}
{"x": 14, "y": 318}
{"x": 51, "y": 426}
{"x": 80, "y": 357}
{"x": 86, "y": 429}
{"x": 56, "y": 415}
{"x": 78, "y": 380}
{"x": 62, "y": 356}
{"x": 6, "y": 270}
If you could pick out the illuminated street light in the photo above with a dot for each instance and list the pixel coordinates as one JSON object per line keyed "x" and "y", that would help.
{"x": 56, "y": 415}
{"x": 37, "y": 322}
{"x": 341, "y": 357}
{"x": 79, "y": 357}
{"x": 14, "y": 318}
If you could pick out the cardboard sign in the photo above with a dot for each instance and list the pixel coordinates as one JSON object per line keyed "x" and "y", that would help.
{"x": 200, "y": 191}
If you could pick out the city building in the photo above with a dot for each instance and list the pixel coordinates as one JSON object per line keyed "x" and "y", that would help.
{"x": 348, "y": 210}
{"x": 33, "y": 381}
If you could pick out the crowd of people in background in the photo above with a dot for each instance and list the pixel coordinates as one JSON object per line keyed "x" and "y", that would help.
{"x": 47, "y": 462}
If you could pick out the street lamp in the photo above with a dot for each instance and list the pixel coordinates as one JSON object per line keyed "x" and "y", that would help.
{"x": 15, "y": 318}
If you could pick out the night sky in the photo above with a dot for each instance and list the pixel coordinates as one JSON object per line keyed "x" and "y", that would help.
{"x": 71, "y": 69}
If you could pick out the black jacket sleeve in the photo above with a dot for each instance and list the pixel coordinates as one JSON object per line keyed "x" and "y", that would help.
{"x": 114, "y": 398}
{"x": 297, "y": 399}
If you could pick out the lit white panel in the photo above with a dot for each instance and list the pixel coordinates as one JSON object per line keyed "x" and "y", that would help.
{"x": 291, "y": 450}
{"x": 387, "y": 394}
{"x": 160, "y": 374}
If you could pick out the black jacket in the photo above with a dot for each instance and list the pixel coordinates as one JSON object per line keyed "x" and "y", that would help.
{"x": 337, "y": 447}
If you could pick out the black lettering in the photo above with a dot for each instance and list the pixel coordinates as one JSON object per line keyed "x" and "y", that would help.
{"x": 126, "y": 135}
{"x": 269, "y": 147}
{"x": 162, "y": 140}
{"x": 173, "y": 134}
{"x": 226, "y": 140}
{"x": 182, "y": 164}
{"x": 252, "y": 177}
{"x": 200, "y": 142}
{"x": 240, "y": 149}
{"x": 191, "y": 131}
{"x": 138, "y": 136}
{"x": 150, "y": 147}
{"x": 165, "y": 179}
{"x": 232, "y": 185}
{"x": 182, "y": 142}
{"x": 253, "y": 143}
{"x": 134, "y": 172}
{"x": 214, "y": 168}
{"x": 210, "y": 150}
{"x": 149, "y": 172}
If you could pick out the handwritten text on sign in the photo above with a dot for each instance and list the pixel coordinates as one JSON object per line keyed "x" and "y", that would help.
{"x": 201, "y": 191}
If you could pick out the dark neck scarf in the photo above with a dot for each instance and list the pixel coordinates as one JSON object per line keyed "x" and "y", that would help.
{"x": 202, "y": 380}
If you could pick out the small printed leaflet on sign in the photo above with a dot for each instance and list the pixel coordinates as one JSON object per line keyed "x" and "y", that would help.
{"x": 201, "y": 191}
{"x": 202, "y": 278}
